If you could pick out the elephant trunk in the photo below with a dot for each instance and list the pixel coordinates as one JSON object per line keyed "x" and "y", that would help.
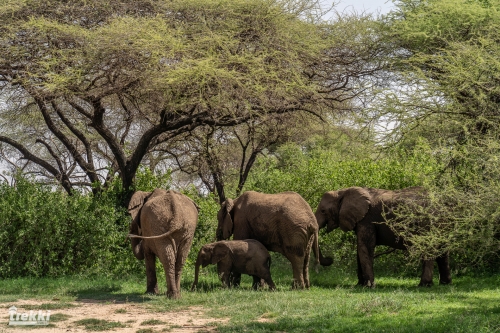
{"x": 196, "y": 272}
{"x": 320, "y": 219}
{"x": 324, "y": 261}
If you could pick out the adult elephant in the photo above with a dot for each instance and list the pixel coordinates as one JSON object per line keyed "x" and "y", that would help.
{"x": 282, "y": 222}
{"x": 365, "y": 210}
{"x": 163, "y": 224}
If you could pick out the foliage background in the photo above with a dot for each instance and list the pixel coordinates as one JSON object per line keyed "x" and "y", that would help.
{"x": 444, "y": 117}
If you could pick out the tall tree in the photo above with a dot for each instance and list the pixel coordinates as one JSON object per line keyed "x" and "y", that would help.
{"x": 114, "y": 80}
{"x": 446, "y": 62}
{"x": 347, "y": 72}
{"x": 224, "y": 156}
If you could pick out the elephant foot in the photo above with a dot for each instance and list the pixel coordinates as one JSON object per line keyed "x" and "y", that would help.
{"x": 445, "y": 281}
{"x": 297, "y": 285}
{"x": 173, "y": 294}
{"x": 367, "y": 284}
{"x": 152, "y": 291}
{"x": 426, "y": 284}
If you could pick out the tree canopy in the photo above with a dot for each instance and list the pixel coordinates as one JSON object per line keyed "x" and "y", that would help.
{"x": 446, "y": 63}
{"x": 95, "y": 81}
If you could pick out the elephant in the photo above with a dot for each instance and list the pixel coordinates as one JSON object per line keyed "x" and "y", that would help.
{"x": 234, "y": 258}
{"x": 163, "y": 225}
{"x": 366, "y": 210}
{"x": 282, "y": 222}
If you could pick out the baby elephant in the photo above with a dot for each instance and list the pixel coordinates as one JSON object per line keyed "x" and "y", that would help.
{"x": 234, "y": 258}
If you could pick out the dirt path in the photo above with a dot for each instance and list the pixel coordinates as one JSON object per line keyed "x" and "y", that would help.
{"x": 134, "y": 317}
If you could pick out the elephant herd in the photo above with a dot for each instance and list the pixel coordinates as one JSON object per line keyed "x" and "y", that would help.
{"x": 164, "y": 222}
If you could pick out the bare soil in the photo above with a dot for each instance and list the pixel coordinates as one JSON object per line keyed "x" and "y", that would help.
{"x": 130, "y": 314}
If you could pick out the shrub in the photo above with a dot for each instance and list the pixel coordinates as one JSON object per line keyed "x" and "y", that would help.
{"x": 45, "y": 232}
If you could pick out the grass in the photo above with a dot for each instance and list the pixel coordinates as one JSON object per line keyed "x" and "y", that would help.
{"x": 152, "y": 322}
{"x": 93, "y": 324}
{"x": 332, "y": 304}
{"x": 49, "y": 306}
{"x": 145, "y": 330}
{"x": 59, "y": 317}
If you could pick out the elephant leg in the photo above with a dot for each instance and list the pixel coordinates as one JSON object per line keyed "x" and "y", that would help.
{"x": 427, "y": 272}
{"x": 151, "y": 283}
{"x": 366, "y": 251}
{"x": 256, "y": 282}
{"x": 266, "y": 276}
{"x": 360, "y": 272}
{"x": 298, "y": 271}
{"x": 182, "y": 253}
{"x": 225, "y": 277}
{"x": 444, "y": 269}
{"x": 168, "y": 258}
{"x": 235, "y": 279}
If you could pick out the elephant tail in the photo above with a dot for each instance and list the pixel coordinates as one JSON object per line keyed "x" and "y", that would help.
{"x": 150, "y": 237}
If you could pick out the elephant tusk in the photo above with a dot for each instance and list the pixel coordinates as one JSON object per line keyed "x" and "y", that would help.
{"x": 149, "y": 237}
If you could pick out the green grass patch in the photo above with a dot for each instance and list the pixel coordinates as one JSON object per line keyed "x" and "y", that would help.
{"x": 8, "y": 299}
{"x": 93, "y": 324}
{"x": 145, "y": 330}
{"x": 49, "y": 306}
{"x": 121, "y": 311}
{"x": 151, "y": 322}
{"x": 333, "y": 303}
{"x": 56, "y": 317}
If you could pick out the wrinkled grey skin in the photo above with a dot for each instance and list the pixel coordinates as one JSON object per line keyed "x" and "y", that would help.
{"x": 365, "y": 211}
{"x": 172, "y": 218}
{"x": 282, "y": 222}
{"x": 234, "y": 258}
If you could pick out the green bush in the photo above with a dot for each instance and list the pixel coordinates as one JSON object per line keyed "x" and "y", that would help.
{"x": 45, "y": 232}
{"x": 207, "y": 222}
{"x": 313, "y": 171}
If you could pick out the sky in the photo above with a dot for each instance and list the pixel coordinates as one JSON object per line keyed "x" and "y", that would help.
{"x": 373, "y": 6}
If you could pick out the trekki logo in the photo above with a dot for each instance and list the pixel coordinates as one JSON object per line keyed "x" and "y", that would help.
{"x": 27, "y": 319}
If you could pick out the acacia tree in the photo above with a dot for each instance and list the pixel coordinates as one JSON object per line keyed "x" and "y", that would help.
{"x": 446, "y": 59}
{"x": 347, "y": 72}
{"x": 111, "y": 81}
{"x": 220, "y": 156}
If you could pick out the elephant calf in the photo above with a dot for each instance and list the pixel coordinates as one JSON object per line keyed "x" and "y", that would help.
{"x": 234, "y": 258}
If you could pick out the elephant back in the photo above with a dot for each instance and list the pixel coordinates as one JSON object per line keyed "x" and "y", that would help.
{"x": 169, "y": 211}
{"x": 279, "y": 221}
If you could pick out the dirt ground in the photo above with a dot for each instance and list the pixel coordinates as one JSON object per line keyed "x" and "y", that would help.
{"x": 130, "y": 314}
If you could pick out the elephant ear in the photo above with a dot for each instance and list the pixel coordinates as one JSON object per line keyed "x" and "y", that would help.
{"x": 355, "y": 205}
{"x": 136, "y": 203}
{"x": 227, "y": 228}
{"x": 220, "y": 251}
